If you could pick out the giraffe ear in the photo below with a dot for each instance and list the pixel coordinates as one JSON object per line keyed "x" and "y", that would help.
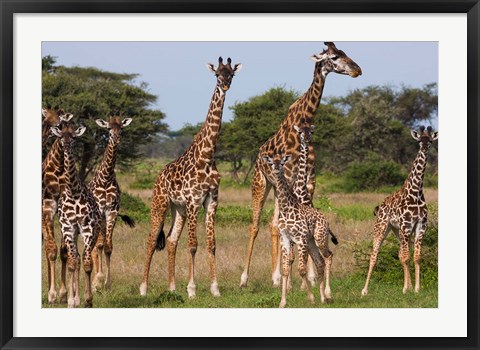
{"x": 102, "y": 123}
{"x": 267, "y": 159}
{"x": 56, "y": 131}
{"x": 80, "y": 131}
{"x": 434, "y": 135}
{"x": 297, "y": 129}
{"x": 317, "y": 57}
{"x": 237, "y": 67}
{"x": 211, "y": 68}
{"x": 126, "y": 122}
{"x": 415, "y": 134}
{"x": 44, "y": 112}
{"x": 66, "y": 117}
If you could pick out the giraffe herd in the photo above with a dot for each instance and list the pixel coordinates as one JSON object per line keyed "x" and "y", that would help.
{"x": 285, "y": 162}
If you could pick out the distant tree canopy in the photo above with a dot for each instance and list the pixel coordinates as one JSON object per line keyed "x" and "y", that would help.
{"x": 90, "y": 94}
{"x": 370, "y": 126}
{"x": 367, "y": 125}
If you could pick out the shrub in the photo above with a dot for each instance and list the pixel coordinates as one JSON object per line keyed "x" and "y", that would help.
{"x": 134, "y": 207}
{"x": 371, "y": 175}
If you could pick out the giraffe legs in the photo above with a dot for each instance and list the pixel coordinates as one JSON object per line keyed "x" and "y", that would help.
{"x": 89, "y": 239}
{"x": 210, "y": 205}
{"x": 48, "y": 212}
{"x": 97, "y": 256}
{"x": 178, "y": 221}
{"x": 260, "y": 189}
{"x": 285, "y": 262}
{"x": 111, "y": 220}
{"x": 192, "y": 244}
{"x": 380, "y": 231}
{"x": 63, "y": 258}
{"x": 274, "y": 235}
{"x": 420, "y": 231}
{"x": 319, "y": 263}
{"x": 404, "y": 256}
{"x": 158, "y": 212}
{"x": 321, "y": 236}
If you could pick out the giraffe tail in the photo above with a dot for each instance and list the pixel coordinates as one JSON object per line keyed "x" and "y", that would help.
{"x": 333, "y": 237}
{"x": 128, "y": 220}
{"x": 160, "y": 240}
{"x": 375, "y": 211}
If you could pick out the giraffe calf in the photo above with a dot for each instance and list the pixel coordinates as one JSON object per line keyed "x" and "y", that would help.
{"x": 305, "y": 226}
{"x": 79, "y": 214}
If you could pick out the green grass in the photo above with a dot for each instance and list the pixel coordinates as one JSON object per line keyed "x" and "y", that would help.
{"x": 259, "y": 294}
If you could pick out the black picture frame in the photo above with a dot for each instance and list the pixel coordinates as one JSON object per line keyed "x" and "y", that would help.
{"x": 10, "y": 7}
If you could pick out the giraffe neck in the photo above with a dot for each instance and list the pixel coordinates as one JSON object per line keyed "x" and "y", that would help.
{"x": 414, "y": 182}
{"x": 208, "y": 135}
{"x": 106, "y": 170}
{"x": 73, "y": 186}
{"x": 54, "y": 158}
{"x": 306, "y": 105}
{"x": 300, "y": 185}
{"x": 285, "y": 198}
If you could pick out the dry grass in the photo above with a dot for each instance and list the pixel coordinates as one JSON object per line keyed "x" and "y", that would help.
{"x": 129, "y": 246}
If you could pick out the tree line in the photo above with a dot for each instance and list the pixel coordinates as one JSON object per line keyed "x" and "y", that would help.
{"x": 368, "y": 126}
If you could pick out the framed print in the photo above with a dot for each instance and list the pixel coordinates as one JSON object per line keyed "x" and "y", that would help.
{"x": 395, "y": 147}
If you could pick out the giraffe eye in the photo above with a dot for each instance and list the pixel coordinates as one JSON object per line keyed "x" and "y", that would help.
{"x": 334, "y": 58}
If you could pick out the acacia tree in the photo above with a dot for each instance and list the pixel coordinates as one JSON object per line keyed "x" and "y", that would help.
{"x": 89, "y": 94}
{"x": 254, "y": 121}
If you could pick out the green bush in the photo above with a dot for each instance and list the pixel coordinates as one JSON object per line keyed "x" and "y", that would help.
{"x": 134, "y": 207}
{"x": 371, "y": 175}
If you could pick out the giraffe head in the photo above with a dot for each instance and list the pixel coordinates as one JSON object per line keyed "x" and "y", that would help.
{"x": 114, "y": 126}
{"x": 277, "y": 163}
{"x": 305, "y": 133}
{"x": 424, "y": 136}
{"x": 53, "y": 117}
{"x": 335, "y": 60}
{"x": 67, "y": 134}
{"x": 224, "y": 72}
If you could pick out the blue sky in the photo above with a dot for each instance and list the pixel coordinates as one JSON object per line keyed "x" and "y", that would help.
{"x": 176, "y": 71}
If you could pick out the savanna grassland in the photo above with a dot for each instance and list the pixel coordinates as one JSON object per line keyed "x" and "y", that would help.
{"x": 351, "y": 219}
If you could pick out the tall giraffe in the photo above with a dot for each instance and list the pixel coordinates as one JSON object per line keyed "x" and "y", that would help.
{"x": 285, "y": 140}
{"x": 305, "y": 226}
{"x": 79, "y": 214}
{"x": 405, "y": 213}
{"x": 52, "y": 187}
{"x": 186, "y": 184}
{"x": 106, "y": 191}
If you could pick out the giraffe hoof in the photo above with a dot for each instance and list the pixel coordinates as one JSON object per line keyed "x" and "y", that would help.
{"x": 71, "y": 303}
{"x": 214, "y": 290}
{"x": 191, "y": 291}
{"x": 143, "y": 289}
{"x": 88, "y": 303}
{"x": 97, "y": 281}
{"x": 52, "y": 297}
{"x": 364, "y": 292}
{"x": 329, "y": 300}
{"x": 417, "y": 289}
{"x": 282, "y": 304}
{"x": 243, "y": 280}
{"x": 311, "y": 299}
{"x": 77, "y": 301}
